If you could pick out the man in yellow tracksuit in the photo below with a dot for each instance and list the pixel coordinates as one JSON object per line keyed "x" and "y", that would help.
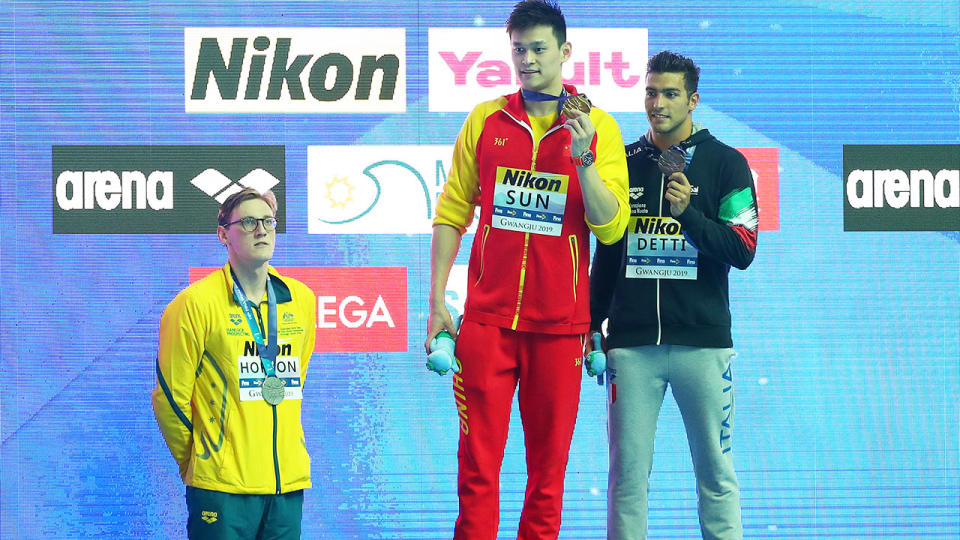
{"x": 233, "y": 355}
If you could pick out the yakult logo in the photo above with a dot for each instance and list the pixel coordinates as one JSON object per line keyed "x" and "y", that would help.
{"x": 295, "y": 70}
{"x": 470, "y": 65}
{"x": 358, "y": 309}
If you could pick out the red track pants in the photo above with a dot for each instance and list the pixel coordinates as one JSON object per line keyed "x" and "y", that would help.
{"x": 548, "y": 369}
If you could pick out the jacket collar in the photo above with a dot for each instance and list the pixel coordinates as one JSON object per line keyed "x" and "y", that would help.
{"x": 283, "y": 292}
{"x": 697, "y": 136}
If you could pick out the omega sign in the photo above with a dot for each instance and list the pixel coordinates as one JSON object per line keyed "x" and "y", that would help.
{"x": 295, "y": 70}
{"x": 359, "y": 309}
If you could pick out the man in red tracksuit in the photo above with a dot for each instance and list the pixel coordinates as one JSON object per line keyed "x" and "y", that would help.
{"x": 543, "y": 181}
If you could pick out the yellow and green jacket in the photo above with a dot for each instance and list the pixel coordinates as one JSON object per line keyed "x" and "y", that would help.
{"x": 223, "y": 435}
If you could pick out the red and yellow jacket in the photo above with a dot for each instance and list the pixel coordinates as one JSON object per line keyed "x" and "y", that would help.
{"x": 521, "y": 279}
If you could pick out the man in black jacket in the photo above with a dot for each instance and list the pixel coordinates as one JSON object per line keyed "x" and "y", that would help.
{"x": 663, "y": 290}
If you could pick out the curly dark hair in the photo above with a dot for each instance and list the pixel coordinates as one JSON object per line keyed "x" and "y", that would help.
{"x": 671, "y": 62}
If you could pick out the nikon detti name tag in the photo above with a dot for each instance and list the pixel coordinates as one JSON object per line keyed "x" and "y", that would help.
{"x": 657, "y": 249}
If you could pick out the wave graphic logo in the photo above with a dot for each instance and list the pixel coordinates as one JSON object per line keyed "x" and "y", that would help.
{"x": 375, "y": 189}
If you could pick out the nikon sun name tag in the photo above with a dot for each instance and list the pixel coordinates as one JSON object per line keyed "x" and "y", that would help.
{"x": 252, "y": 379}
{"x": 529, "y": 201}
{"x": 657, "y": 249}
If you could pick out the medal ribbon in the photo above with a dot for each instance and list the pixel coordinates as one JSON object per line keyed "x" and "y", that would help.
{"x": 532, "y": 95}
{"x": 268, "y": 351}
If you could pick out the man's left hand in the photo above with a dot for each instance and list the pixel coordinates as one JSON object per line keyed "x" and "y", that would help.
{"x": 678, "y": 193}
{"x": 581, "y": 132}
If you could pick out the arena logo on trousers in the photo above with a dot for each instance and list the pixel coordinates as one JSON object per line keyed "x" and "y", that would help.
{"x": 471, "y": 65}
{"x": 156, "y": 189}
{"x": 295, "y": 70}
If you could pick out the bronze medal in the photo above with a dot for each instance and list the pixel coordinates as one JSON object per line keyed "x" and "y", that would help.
{"x": 672, "y": 160}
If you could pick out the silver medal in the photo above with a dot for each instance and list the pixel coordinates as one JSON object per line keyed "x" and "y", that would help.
{"x": 272, "y": 390}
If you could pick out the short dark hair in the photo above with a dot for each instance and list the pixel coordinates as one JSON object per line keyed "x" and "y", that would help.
{"x": 530, "y": 13}
{"x": 240, "y": 197}
{"x": 671, "y": 62}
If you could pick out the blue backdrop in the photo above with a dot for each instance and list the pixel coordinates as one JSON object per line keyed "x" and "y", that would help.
{"x": 848, "y": 372}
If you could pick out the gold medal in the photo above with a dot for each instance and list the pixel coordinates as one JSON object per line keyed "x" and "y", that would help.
{"x": 578, "y": 102}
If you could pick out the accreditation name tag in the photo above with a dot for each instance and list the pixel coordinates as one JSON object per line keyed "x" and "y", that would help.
{"x": 657, "y": 249}
{"x": 252, "y": 378}
{"x": 529, "y": 201}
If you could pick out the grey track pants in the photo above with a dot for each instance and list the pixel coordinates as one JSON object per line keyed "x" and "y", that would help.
{"x": 702, "y": 384}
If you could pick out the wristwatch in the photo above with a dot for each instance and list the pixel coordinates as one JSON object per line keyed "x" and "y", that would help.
{"x": 584, "y": 160}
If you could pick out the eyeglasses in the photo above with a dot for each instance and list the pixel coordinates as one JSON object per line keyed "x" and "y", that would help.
{"x": 249, "y": 224}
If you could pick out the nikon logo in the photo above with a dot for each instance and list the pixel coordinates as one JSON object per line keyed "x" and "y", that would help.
{"x": 156, "y": 189}
{"x": 295, "y": 70}
{"x": 904, "y": 188}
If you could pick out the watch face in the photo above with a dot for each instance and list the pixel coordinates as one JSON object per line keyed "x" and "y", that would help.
{"x": 586, "y": 158}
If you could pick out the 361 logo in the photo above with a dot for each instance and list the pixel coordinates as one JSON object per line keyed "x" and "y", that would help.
{"x": 157, "y": 189}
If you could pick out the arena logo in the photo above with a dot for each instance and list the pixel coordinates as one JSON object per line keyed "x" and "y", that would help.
{"x": 156, "y": 189}
{"x": 295, "y": 70}
{"x": 375, "y": 189}
{"x": 467, "y": 67}
{"x": 901, "y": 187}
{"x": 359, "y": 309}
{"x": 219, "y": 186}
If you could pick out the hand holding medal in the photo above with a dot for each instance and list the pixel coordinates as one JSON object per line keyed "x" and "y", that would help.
{"x": 673, "y": 163}
{"x": 575, "y": 113}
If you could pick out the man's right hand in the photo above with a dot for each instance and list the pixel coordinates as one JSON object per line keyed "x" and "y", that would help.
{"x": 439, "y": 321}
{"x": 588, "y": 342}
